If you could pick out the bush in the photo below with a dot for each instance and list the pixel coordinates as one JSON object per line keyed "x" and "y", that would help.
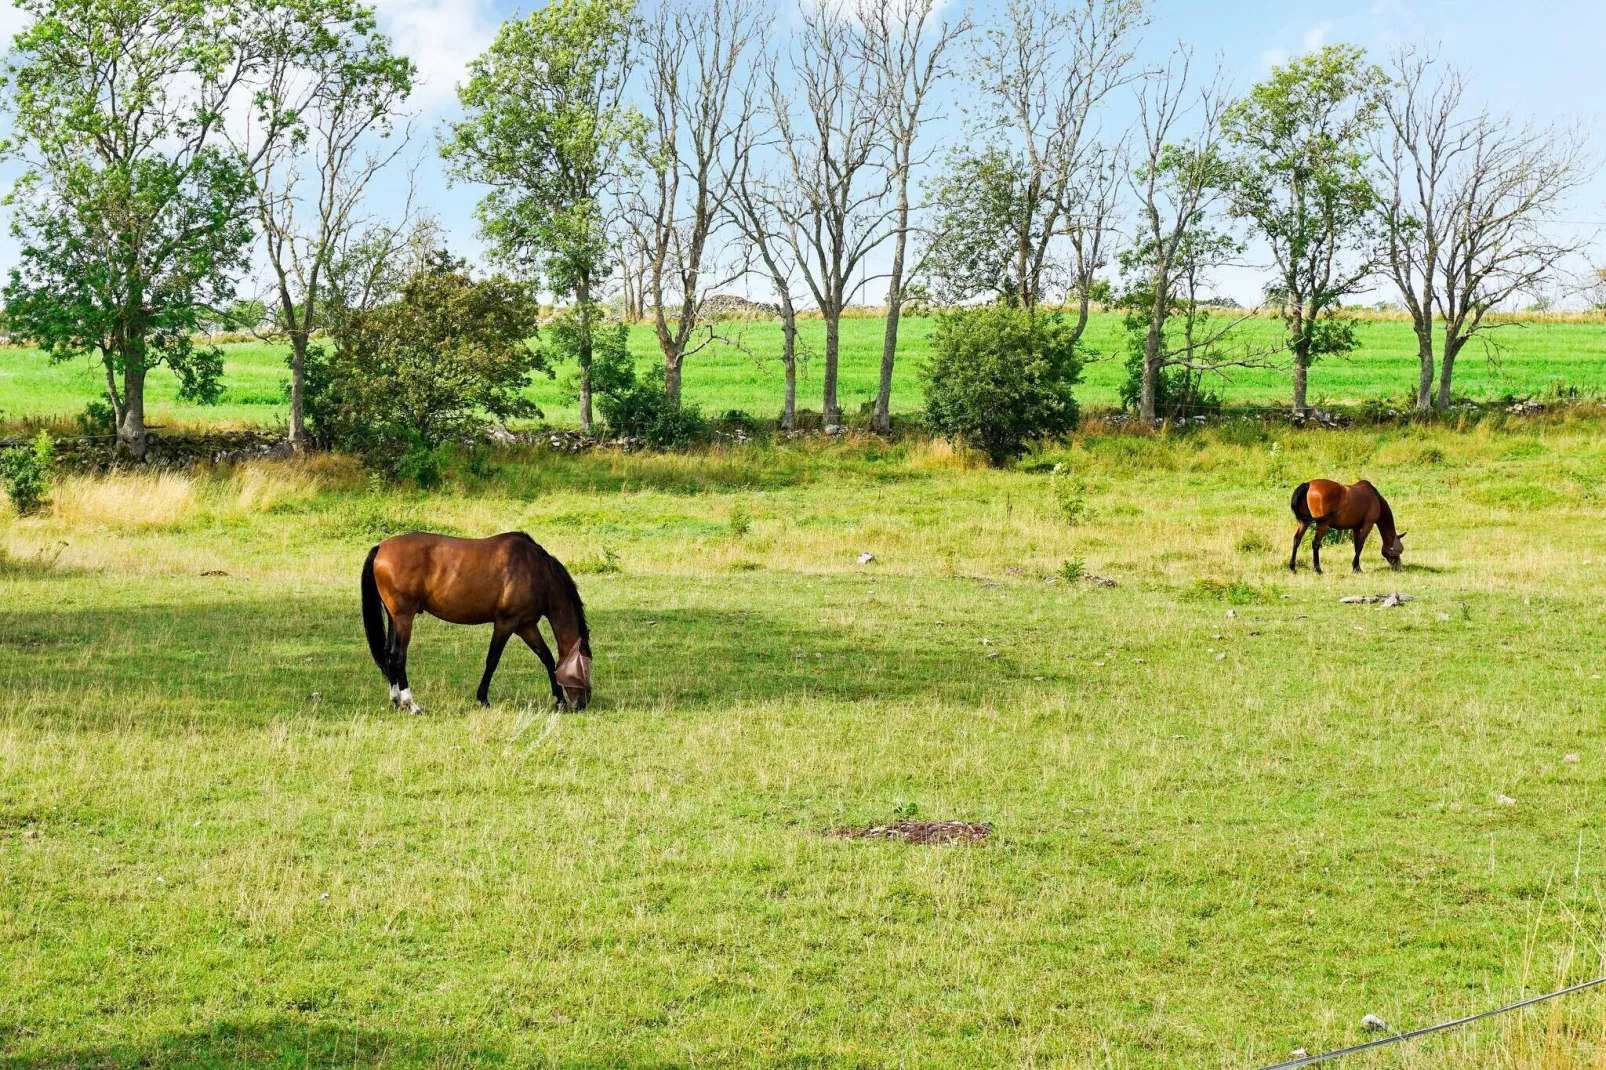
{"x": 25, "y": 471}
{"x": 630, "y": 405}
{"x": 1253, "y": 542}
{"x": 434, "y": 366}
{"x": 97, "y": 418}
{"x": 1069, "y": 494}
{"x": 1000, "y": 376}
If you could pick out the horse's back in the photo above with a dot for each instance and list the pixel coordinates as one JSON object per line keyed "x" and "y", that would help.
{"x": 458, "y": 579}
{"x": 1324, "y": 497}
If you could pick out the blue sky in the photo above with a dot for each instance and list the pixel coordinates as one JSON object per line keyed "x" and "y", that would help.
{"x": 1541, "y": 59}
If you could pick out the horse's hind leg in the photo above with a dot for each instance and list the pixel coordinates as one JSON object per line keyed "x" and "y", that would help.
{"x": 1316, "y": 545}
{"x": 1360, "y": 540}
{"x": 1293, "y": 558}
{"x": 499, "y": 638}
{"x": 531, "y": 634}
{"x": 404, "y": 636}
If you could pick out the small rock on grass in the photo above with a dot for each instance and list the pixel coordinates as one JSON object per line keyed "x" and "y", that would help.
{"x": 1232, "y": 613}
{"x": 866, "y": 558}
{"x": 1570, "y": 759}
{"x": 1372, "y": 1023}
{"x": 1505, "y": 800}
{"x": 1385, "y": 600}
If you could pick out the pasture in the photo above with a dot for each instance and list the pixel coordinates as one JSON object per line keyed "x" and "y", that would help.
{"x": 1532, "y": 359}
{"x": 1230, "y": 815}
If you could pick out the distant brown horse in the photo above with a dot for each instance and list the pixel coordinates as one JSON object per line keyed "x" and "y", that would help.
{"x": 506, "y": 581}
{"x": 1333, "y": 505}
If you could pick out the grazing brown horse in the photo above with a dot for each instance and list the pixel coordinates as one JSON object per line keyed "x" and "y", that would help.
{"x": 506, "y": 581}
{"x": 1333, "y": 505}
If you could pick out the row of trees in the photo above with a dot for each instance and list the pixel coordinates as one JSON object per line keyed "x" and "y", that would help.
{"x": 800, "y": 160}
{"x": 667, "y": 152}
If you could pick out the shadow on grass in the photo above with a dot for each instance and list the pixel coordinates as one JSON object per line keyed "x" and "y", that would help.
{"x": 290, "y": 1044}
{"x": 258, "y": 660}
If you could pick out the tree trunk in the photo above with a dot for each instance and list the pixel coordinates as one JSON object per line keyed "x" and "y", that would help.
{"x": 1151, "y": 374}
{"x": 1452, "y": 349}
{"x": 582, "y": 294}
{"x": 829, "y": 409}
{"x": 1424, "y": 356}
{"x": 672, "y": 366}
{"x": 298, "y": 390}
{"x": 882, "y": 421}
{"x": 1301, "y": 374}
{"x": 131, "y": 428}
{"x": 789, "y": 365}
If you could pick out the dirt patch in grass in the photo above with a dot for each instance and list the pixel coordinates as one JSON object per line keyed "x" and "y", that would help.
{"x": 929, "y": 832}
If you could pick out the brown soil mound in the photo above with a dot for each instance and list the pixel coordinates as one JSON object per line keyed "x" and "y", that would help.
{"x": 937, "y": 832}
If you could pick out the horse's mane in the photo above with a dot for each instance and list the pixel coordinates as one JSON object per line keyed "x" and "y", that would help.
{"x": 565, "y": 583}
{"x": 1385, "y": 515}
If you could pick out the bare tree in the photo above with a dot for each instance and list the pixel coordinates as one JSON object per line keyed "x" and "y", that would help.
{"x": 1045, "y": 68}
{"x": 323, "y": 111}
{"x": 906, "y": 46}
{"x": 831, "y": 145}
{"x": 693, "y": 53}
{"x": 1179, "y": 177}
{"x": 760, "y": 210}
{"x": 1467, "y": 201}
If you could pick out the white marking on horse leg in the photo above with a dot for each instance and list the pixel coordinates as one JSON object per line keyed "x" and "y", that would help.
{"x": 395, "y": 694}
{"x": 407, "y": 702}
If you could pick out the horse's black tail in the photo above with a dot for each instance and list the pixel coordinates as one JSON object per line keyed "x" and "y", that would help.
{"x": 1300, "y": 504}
{"x": 375, "y": 617}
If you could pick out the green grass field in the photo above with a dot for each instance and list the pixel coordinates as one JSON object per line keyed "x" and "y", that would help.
{"x": 1532, "y": 359}
{"x": 1230, "y": 815}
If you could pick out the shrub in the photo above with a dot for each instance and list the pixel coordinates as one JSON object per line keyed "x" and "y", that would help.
{"x": 25, "y": 471}
{"x": 606, "y": 563}
{"x": 1072, "y": 570}
{"x": 1253, "y": 542}
{"x": 436, "y": 365}
{"x": 632, "y": 406}
{"x": 1069, "y": 494}
{"x": 97, "y": 418}
{"x": 1236, "y": 593}
{"x": 741, "y": 521}
{"x": 1000, "y": 376}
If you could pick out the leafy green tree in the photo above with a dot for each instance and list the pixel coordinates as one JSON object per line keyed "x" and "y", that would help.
{"x": 130, "y": 214}
{"x": 1000, "y": 376}
{"x": 545, "y": 126}
{"x": 984, "y": 220}
{"x": 433, "y": 366}
{"x": 1301, "y": 178}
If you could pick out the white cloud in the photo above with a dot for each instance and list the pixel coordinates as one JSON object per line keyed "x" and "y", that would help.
{"x": 1273, "y": 57}
{"x": 441, "y": 36}
{"x": 1316, "y": 36}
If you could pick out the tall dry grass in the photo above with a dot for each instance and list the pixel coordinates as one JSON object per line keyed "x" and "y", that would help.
{"x": 145, "y": 501}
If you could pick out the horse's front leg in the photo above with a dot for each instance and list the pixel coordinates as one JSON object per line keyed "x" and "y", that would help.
{"x": 1316, "y": 545}
{"x": 1361, "y": 534}
{"x": 1293, "y": 558}
{"x": 403, "y": 699}
{"x": 531, "y": 634}
{"x": 499, "y": 638}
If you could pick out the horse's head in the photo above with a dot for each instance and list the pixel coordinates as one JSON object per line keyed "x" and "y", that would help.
{"x": 1393, "y": 550}
{"x": 574, "y": 676}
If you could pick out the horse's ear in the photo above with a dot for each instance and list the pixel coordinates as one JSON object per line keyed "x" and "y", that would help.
{"x": 1401, "y": 535}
